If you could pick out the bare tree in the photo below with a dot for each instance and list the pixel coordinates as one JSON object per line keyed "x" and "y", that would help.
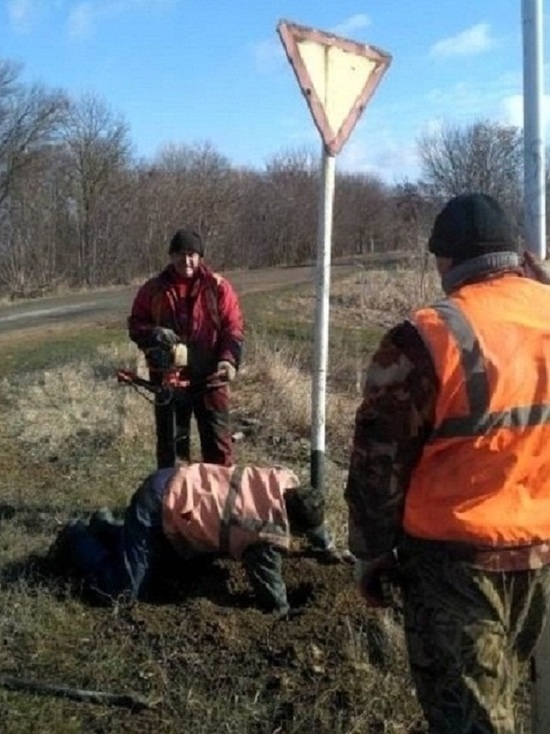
{"x": 29, "y": 123}
{"x": 486, "y": 157}
{"x": 413, "y": 213}
{"x": 361, "y": 216}
{"x": 98, "y": 153}
{"x": 290, "y": 215}
{"x": 188, "y": 186}
{"x": 29, "y": 120}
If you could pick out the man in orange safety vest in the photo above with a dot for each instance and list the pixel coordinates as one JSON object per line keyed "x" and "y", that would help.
{"x": 449, "y": 478}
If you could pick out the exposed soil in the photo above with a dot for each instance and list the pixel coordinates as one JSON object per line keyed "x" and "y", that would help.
{"x": 313, "y": 672}
{"x": 216, "y": 663}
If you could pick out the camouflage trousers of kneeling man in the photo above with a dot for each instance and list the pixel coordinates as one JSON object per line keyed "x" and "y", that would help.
{"x": 470, "y": 634}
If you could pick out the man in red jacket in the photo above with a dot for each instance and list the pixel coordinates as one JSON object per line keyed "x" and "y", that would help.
{"x": 189, "y": 304}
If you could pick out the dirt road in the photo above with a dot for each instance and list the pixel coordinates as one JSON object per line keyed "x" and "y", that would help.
{"x": 115, "y": 302}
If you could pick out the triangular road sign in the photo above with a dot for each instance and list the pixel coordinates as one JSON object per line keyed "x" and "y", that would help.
{"x": 336, "y": 76}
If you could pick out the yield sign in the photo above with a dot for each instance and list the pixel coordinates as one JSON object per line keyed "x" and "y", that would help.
{"x": 336, "y": 76}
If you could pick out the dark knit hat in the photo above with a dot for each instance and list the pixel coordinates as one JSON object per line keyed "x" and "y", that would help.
{"x": 471, "y": 225}
{"x": 305, "y": 507}
{"x": 186, "y": 240}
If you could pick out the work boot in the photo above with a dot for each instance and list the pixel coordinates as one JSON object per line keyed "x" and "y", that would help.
{"x": 105, "y": 528}
{"x": 59, "y": 555}
{"x": 88, "y": 551}
{"x": 100, "y": 520}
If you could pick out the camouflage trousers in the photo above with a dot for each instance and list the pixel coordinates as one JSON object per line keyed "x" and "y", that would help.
{"x": 470, "y": 634}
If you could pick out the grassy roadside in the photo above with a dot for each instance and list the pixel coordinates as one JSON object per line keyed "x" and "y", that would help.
{"x": 72, "y": 439}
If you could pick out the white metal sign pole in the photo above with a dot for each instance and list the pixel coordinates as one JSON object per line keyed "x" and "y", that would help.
{"x": 534, "y": 202}
{"x": 337, "y": 77}
{"x": 321, "y": 337}
{"x": 534, "y": 194}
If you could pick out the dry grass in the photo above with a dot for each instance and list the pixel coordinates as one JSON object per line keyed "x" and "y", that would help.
{"x": 73, "y": 439}
{"x": 76, "y": 400}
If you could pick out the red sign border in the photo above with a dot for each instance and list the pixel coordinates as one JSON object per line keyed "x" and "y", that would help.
{"x": 291, "y": 34}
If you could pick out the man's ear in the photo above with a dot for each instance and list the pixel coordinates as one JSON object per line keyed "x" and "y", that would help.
{"x": 444, "y": 264}
{"x": 535, "y": 269}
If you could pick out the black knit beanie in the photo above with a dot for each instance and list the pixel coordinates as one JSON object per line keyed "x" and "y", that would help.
{"x": 186, "y": 240}
{"x": 471, "y": 225}
{"x": 305, "y": 507}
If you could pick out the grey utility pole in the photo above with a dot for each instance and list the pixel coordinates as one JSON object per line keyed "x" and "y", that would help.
{"x": 534, "y": 193}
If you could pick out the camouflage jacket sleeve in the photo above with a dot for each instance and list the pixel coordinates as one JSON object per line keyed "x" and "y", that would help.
{"x": 391, "y": 426}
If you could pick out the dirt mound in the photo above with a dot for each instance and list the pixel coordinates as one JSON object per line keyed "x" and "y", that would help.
{"x": 317, "y": 671}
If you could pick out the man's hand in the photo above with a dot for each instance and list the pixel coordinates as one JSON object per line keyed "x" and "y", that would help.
{"x": 334, "y": 555}
{"x": 373, "y": 579}
{"x": 226, "y": 371}
{"x": 536, "y": 269}
{"x": 165, "y": 338}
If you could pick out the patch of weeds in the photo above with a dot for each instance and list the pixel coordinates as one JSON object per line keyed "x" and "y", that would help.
{"x": 48, "y": 352}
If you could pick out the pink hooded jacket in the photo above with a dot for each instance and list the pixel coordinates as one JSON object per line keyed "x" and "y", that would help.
{"x": 210, "y": 508}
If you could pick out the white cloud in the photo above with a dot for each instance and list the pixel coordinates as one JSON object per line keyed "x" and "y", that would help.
{"x": 268, "y": 54}
{"x": 23, "y": 13}
{"x": 354, "y": 23}
{"x": 81, "y": 20}
{"x": 466, "y": 101}
{"x": 87, "y": 15}
{"x": 380, "y": 154}
{"x": 512, "y": 110}
{"x": 474, "y": 40}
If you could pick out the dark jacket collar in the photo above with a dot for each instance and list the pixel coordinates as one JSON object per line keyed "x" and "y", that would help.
{"x": 478, "y": 268}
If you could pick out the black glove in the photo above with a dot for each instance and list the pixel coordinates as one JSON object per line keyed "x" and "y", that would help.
{"x": 165, "y": 338}
{"x": 379, "y": 581}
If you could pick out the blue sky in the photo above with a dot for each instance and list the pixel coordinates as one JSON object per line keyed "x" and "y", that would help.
{"x": 190, "y": 71}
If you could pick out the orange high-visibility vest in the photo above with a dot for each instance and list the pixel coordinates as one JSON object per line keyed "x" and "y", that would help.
{"x": 484, "y": 474}
{"x": 210, "y": 508}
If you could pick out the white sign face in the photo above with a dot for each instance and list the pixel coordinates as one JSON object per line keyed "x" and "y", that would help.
{"x": 336, "y": 76}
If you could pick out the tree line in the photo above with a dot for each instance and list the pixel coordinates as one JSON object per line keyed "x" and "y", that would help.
{"x": 78, "y": 209}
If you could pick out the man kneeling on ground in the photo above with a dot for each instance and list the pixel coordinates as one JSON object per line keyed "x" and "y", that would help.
{"x": 246, "y": 513}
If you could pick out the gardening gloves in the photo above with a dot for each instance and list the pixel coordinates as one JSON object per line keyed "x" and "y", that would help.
{"x": 226, "y": 371}
{"x": 164, "y": 338}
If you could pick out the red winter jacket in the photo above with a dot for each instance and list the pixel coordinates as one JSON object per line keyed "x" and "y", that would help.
{"x": 203, "y": 311}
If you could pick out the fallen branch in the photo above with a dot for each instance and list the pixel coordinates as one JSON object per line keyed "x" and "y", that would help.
{"x": 128, "y": 700}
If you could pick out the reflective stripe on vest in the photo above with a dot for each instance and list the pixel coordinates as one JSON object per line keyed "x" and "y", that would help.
{"x": 481, "y": 419}
{"x": 483, "y": 476}
{"x": 229, "y": 519}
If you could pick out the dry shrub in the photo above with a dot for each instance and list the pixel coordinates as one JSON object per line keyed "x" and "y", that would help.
{"x": 78, "y": 404}
{"x": 274, "y": 387}
{"x": 383, "y": 297}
